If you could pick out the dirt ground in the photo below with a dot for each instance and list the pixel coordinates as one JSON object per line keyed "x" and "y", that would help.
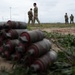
{"x": 61, "y": 30}
{"x": 8, "y": 65}
{"x": 4, "y": 64}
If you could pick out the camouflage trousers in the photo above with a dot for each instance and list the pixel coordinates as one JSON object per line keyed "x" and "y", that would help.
{"x": 30, "y": 20}
{"x": 36, "y": 19}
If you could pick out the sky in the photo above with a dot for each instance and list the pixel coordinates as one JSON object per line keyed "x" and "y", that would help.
{"x": 49, "y": 11}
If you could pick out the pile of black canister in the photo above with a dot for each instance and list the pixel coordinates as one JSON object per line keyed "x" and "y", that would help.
{"x": 17, "y": 43}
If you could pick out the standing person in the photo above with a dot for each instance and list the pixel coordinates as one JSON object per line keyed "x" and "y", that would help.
{"x": 71, "y": 19}
{"x": 66, "y": 18}
{"x": 36, "y": 13}
{"x": 30, "y": 16}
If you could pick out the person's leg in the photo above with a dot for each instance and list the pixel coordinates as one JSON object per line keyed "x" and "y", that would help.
{"x": 34, "y": 20}
{"x": 28, "y": 21}
{"x": 65, "y": 21}
{"x": 70, "y": 21}
{"x": 73, "y": 21}
{"x": 38, "y": 20}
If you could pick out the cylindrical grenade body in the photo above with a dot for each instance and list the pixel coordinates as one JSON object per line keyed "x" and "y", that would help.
{"x": 1, "y": 40}
{"x": 2, "y": 36}
{"x": 16, "y": 56}
{"x": 9, "y": 45}
{"x": 1, "y": 49}
{"x": 32, "y": 36}
{"x": 21, "y": 47}
{"x": 2, "y": 32}
{"x": 14, "y": 33}
{"x": 2, "y": 25}
{"x": 15, "y": 25}
{"x": 29, "y": 61}
{"x": 42, "y": 63}
{"x": 6, "y": 55}
{"x": 40, "y": 48}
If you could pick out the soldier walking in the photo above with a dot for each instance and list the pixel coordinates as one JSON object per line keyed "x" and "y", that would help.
{"x": 30, "y": 16}
{"x": 71, "y": 19}
{"x": 66, "y": 18}
{"x": 36, "y": 13}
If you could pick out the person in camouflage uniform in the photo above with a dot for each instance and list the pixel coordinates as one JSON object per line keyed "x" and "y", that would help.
{"x": 36, "y": 13}
{"x": 66, "y": 18}
{"x": 30, "y": 16}
{"x": 71, "y": 19}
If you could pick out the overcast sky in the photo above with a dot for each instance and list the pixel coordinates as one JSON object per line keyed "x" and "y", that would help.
{"x": 49, "y": 10}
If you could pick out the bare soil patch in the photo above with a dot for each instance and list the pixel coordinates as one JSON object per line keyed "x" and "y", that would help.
{"x": 61, "y": 30}
{"x": 4, "y": 64}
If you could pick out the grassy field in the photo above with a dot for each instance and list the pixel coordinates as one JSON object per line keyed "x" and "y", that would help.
{"x": 51, "y": 25}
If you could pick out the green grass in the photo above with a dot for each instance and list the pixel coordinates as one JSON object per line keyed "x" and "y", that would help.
{"x": 51, "y": 25}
